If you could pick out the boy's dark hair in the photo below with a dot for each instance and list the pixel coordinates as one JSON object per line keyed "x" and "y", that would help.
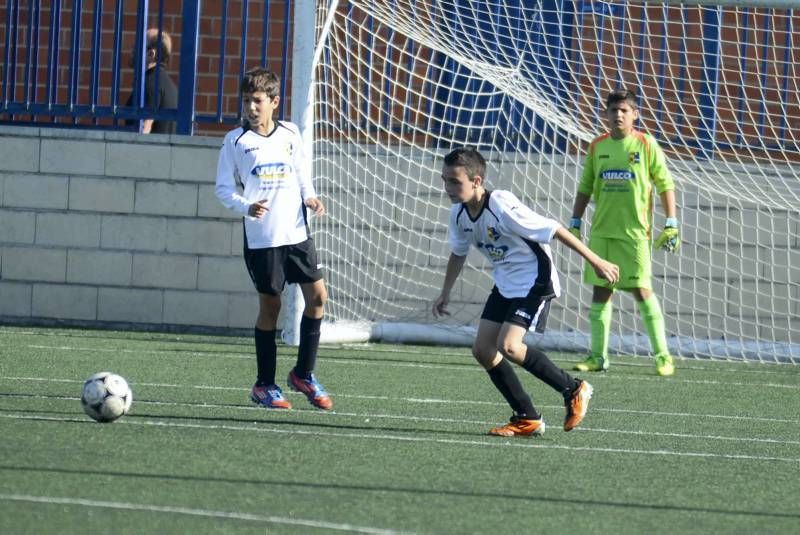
{"x": 622, "y": 95}
{"x": 261, "y": 79}
{"x": 470, "y": 159}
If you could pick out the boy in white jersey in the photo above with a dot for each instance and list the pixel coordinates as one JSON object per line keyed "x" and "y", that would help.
{"x": 622, "y": 168}
{"x": 263, "y": 174}
{"x": 515, "y": 240}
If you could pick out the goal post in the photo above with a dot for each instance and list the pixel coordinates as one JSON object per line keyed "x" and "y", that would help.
{"x": 397, "y": 83}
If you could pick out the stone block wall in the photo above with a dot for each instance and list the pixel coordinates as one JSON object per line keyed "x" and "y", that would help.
{"x": 111, "y": 228}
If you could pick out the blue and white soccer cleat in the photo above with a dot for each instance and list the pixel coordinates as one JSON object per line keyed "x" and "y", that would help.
{"x": 269, "y": 396}
{"x": 313, "y": 390}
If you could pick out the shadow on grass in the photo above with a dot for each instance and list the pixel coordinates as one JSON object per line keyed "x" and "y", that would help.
{"x": 282, "y": 484}
{"x": 258, "y": 418}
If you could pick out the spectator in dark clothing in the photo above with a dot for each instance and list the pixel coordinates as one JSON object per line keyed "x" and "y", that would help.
{"x": 159, "y": 90}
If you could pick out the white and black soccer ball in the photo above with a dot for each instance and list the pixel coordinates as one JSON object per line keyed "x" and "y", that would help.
{"x": 106, "y": 396}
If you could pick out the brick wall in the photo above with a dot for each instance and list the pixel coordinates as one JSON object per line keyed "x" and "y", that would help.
{"x": 264, "y": 45}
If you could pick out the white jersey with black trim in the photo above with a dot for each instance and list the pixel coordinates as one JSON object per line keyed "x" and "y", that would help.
{"x": 254, "y": 167}
{"x": 512, "y": 237}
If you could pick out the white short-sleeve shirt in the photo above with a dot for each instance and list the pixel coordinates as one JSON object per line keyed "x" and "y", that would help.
{"x": 512, "y": 237}
{"x": 271, "y": 167}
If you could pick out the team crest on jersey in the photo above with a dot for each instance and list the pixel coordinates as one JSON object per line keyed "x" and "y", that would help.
{"x": 272, "y": 171}
{"x": 496, "y": 253}
{"x": 633, "y": 157}
{"x": 289, "y": 148}
{"x": 492, "y": 234}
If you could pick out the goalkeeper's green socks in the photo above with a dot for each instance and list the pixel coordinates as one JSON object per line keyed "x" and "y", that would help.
{"x": 600, "y": 318}
{"x": 651, "y": 314}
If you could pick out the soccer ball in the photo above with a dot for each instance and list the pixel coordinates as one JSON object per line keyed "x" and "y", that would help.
{"x": 106, "y": 396}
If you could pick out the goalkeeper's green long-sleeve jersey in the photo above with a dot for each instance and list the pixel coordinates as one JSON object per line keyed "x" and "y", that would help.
{"x": 619, "y": 175}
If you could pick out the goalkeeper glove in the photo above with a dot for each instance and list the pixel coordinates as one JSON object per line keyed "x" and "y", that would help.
{"x": 575, "y": 227}
{"x": 669, "y": 239}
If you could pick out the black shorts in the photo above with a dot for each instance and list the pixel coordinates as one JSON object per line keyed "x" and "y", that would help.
{"x": 523, "y": 311}
{"x": 271, "y": 268}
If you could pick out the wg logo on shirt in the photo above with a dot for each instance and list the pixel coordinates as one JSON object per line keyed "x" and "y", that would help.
{"x": 272, "y": 171}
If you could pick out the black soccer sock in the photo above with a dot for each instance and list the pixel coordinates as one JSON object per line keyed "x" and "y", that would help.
{"x": 309, "y": 345}
{"x": 543, "y": 368}
{"x": 507, "y": 382}
{"x": 266, "y": 355}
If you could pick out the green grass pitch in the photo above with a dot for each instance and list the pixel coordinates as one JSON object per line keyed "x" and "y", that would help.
{"x": 714, "y": 449}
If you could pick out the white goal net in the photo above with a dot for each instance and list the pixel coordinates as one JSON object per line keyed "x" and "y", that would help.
{"x": 399, "y": 83}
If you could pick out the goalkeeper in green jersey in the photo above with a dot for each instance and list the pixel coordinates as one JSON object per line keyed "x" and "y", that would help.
{"x": 622, "y": 167}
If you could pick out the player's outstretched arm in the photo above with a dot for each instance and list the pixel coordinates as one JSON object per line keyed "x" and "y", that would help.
{"x": 454, "y": 266}
{"x": 605, "y": 270}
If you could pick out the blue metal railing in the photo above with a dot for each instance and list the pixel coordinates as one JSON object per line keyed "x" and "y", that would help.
{"x": 51, "y": 74}
{"x": 79, "y": 76}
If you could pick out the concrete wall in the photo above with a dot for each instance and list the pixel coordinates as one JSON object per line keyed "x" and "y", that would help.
{"x": 109, "y": 227}
{"x": 112, "y": 228}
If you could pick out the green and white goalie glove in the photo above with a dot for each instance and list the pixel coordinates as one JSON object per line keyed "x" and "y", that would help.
{"x": 669, "y": 239}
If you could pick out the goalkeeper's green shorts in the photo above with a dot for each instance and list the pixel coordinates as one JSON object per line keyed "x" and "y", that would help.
{"x": 632, "y": 257}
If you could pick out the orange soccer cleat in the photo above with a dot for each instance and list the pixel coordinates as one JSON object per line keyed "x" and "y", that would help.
{"x": 577, "y": 405}
{"x": 519, "y": 427}
{"x": 313, "y": 390}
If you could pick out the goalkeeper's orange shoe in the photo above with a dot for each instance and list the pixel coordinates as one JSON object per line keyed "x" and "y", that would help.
{"x": 519, "y": 427}
{"x": 577, "y": 405}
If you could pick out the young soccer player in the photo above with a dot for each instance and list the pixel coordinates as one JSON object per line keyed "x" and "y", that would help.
{"x": 621, "y": 168}
{"x": 515, "y": 240}
{"x": 263, "y": 174}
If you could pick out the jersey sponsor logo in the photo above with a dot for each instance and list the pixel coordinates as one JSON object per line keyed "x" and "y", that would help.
{"x": 251, "y": 149}
{"x": 633, "y": 157}
{"x": 618, "y": 174}
{"x": 272, "y": 171}
{"x": 603, "y": 157}
{"x": 492, "y": 234}
{"x": 497, "y": 254}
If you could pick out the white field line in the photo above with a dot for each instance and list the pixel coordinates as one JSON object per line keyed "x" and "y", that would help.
{"x": 193, "y": 512}
{"x": 450, "y": 367}
{"x": 429, "y": 400}
{"x": 501, "y": 443}
{"x": 366, "y": 417}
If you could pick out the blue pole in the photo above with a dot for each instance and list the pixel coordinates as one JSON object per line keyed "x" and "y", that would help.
{"x": 75, "y": 53}
{"x": 187, "y": 88}
{"x": 98, "y": 17}
{"x": 223, "y": 37}
{"x": 707, "y": 127}
{"x": 116, "y": 61}
{"x": 8, "y": 66}
{"x": 285, "y": 67}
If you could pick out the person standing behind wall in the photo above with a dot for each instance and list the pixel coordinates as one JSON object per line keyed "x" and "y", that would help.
{"x": 160, "y": 91}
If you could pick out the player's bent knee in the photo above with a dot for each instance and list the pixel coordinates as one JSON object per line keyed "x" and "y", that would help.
{"x": 512, "y": 351}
